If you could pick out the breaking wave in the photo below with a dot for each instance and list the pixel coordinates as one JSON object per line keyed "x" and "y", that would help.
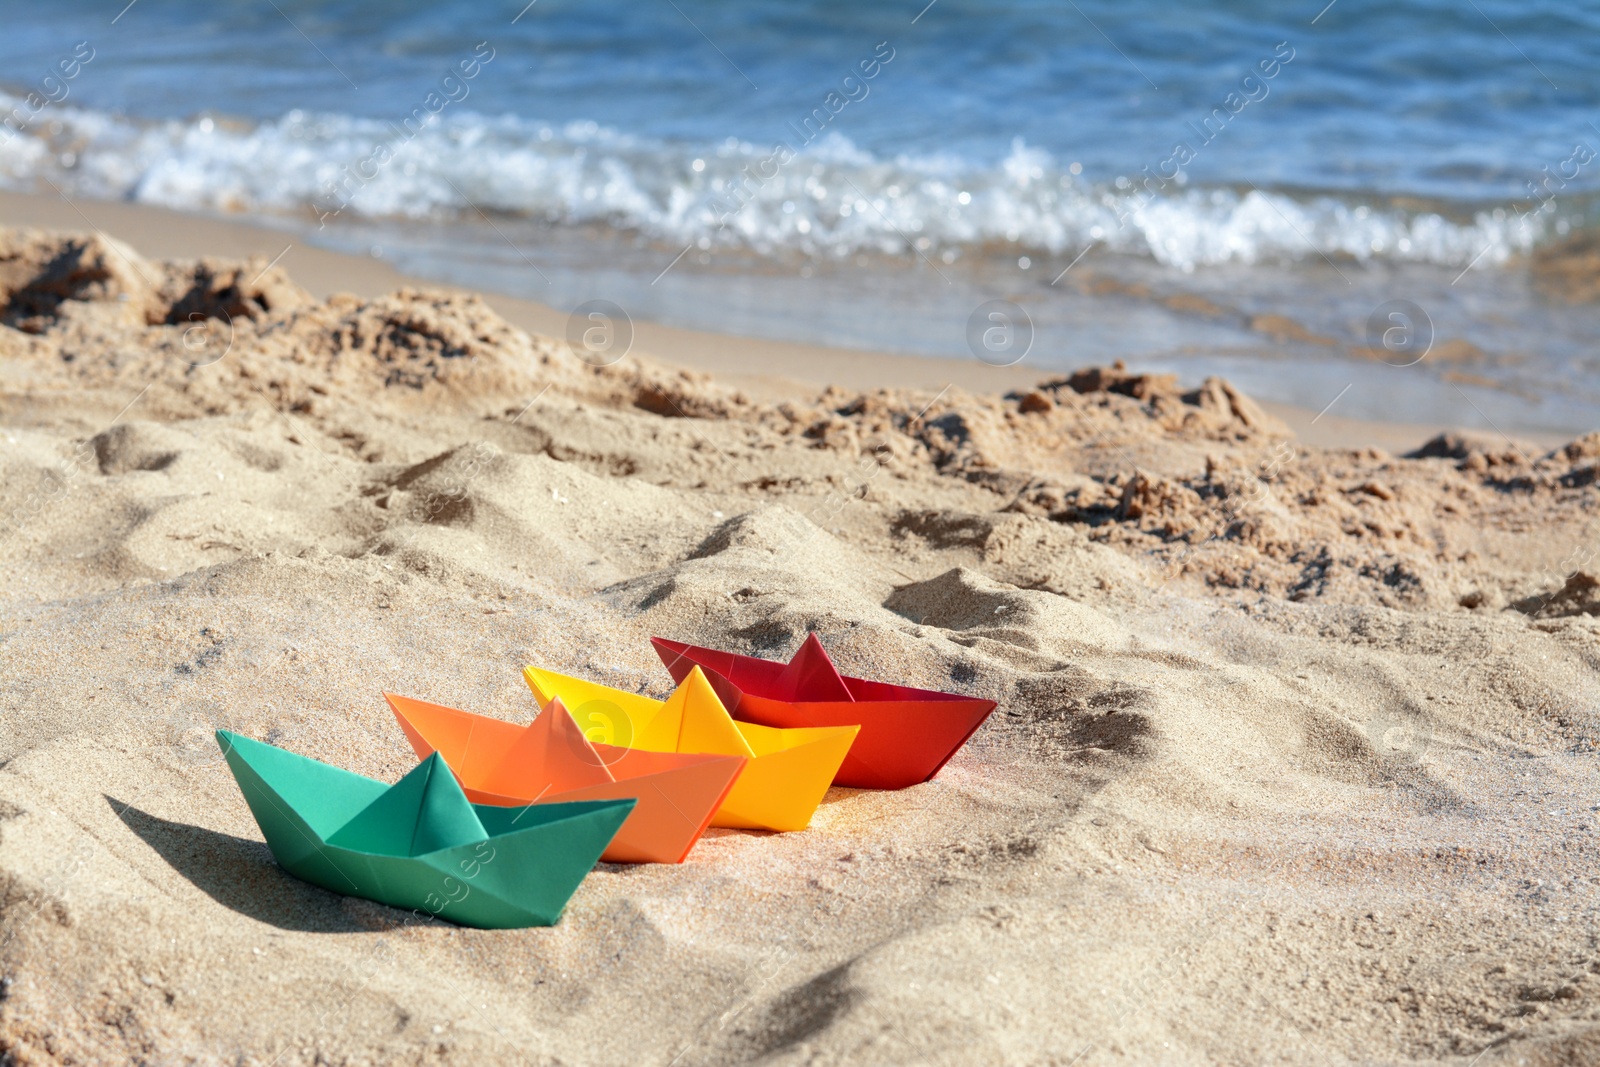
{"x": 822, "y": 198}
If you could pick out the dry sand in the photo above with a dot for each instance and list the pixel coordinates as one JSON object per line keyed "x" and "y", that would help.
{"x": 1294, "y": 761}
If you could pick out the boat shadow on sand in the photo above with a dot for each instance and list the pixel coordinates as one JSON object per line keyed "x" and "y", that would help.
{"x": 240, "y": 874}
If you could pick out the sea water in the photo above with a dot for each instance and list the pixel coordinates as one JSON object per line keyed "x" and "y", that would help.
{"x": 1245, "y": 188}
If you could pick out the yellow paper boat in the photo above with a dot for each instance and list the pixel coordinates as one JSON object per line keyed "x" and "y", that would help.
{"x": 789, "y": 769}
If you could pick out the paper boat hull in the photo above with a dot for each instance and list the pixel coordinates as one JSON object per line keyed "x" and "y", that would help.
{"x": 675, "y": 808}
{"x": 781, "y": 790}
{"x": 514, "y": 877}
{"x": 907, "y": 735}
{"x": 901, "y": 743}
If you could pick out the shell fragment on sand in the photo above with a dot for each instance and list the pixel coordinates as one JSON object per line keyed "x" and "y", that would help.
{"x": 907, "y": 734}
{"x": 420, "y": 843}
{"x": 788, "y": 773}
{"x": 550, "y": 761}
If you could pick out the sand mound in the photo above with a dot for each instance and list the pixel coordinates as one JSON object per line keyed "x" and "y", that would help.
{"x": 209, "y": 337}
{"x": 1293, "y": 759}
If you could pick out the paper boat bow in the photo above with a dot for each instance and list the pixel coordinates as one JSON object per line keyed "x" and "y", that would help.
{"x": 420, "y": 843}
{"x": 550, "y": 761}
{"x": 906, "y": 736}
{"x": 788, "y": 771}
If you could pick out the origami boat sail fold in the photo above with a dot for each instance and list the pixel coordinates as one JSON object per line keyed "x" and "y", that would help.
{"x": 810, "y": 675}
{"x": 789, "y": 769}
{"x": 420, "y": 843}
{"x": 550, "y": 760}
{"x": 423, "y": 812}
{"x": 907, "y": 734}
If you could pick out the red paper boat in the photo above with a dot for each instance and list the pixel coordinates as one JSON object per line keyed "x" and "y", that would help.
{"x": 906, "y": 734}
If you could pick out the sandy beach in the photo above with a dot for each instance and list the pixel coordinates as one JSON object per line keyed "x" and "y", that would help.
{"x": 1294, "y": 760}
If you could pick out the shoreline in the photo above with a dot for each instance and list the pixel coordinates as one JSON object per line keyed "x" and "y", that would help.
{"x": 1330, "y": 715}
{"x": 780, "y": 366}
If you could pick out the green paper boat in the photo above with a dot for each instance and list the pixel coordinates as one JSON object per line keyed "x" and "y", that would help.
{"x": 420, "y": 843}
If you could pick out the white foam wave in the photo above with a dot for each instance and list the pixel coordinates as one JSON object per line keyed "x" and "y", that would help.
{"x": 831, "y": 198}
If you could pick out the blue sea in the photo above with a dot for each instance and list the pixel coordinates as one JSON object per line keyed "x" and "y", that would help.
{"x": 1239, "y": 188}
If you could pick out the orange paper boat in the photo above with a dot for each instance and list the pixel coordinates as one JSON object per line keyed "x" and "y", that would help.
{"x": 906, "y": 736}
{"x": 551, "y": 761}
